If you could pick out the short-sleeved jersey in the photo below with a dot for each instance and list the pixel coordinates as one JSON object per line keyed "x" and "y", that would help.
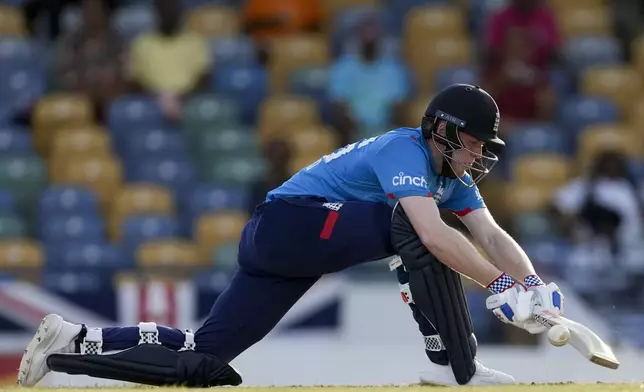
{"x": 382, "y": 169}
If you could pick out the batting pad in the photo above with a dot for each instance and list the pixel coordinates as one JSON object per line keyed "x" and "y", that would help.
{"x": 150, "y": 364}
{"x": 438, "y": 293}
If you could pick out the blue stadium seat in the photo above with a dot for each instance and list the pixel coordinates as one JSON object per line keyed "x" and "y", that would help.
{"x": 137, "y": 229}
{"x": 133, "y": 113}
{"x": 248, "y": 85}
{"x": 154, "y": 143}
{"x": 15, "y": 140}
{"x": 535, "y": 138}
{"x": 577, "y": 113}
{"x": 310, "y": 81}
{"x": 233, "y": 51}
{"x": 213, "y": 197}
{"x": 5, "y": 114}
{"x": 448, "y": 76}
{"x": 91, "y": 289}
{"x": 93, "y": 255}
{"x": 179, "y": 175}
{"x": 58, "y": 230}
{"x": 563, "y": 82}
{"x": 6, "y": 201}
{"x": 580, "y": 53}
{"x": 132, "y": 20}
{"x": 20, "y": 87}
{"x": 345, "y": 24}
{"x": 548, "y": 252}
{"x": 19, "y": 52}
{"x": 60, "y": 200}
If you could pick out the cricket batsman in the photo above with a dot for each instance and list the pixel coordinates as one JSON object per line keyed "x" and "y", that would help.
{"x": 376, "y": 198}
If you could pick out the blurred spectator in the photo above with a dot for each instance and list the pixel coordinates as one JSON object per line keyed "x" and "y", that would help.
{"x": 268, "y": 19}
{"x": 522, "y": 41}
{"x": 91, "y": 60}
{"x": 367, "y": 89}
{"x": 169, "y": 62}
{"x": 603, "y": 214}
{"x": 278, "y": 153}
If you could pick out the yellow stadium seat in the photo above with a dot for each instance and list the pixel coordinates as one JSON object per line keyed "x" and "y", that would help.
{"x": 12, "y": 22}
{"x": 293, "y": 52}
{"x": 103, "y": 175}
{"x": 20, "y": 253}
{"x": 215, "y": 228}
{"x": 169, "y": 252}
{"x": 636, "y": 120}
{"x": 57, "y": 111}
{"x": 619, "y": 83}
{"x": 299, "y": 162}
{"x": 564, "y": 5}
{"x": 530, "y": 197}
{"x": 280, "y": 114}
{"x": 213, "y": 21}
{"x": 575, "y": 22}
{"x": 415, "y": 110}
{"x": 81, "y": 142}
{"x": 549, "y": 170}
{"x": 637, "y": 54}
{"x": 427, "y": 56}
{"x": 597, "y": 138}
{"x": 314, "y": 140}
{"x": 138, "y": 199}
{"x": 432, "y": 22}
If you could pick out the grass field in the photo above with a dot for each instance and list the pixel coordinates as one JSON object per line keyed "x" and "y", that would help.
{"x": 570, "y": 387}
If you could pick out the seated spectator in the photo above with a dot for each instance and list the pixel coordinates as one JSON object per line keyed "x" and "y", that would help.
{"x": 278, "y": 154}
{"x": 522, "y": 43}
{"x": 168, "y": 62}
{"x": 91, "y": 60}
{"x": 367, "y": 89}
{"x": 603, "y": 215}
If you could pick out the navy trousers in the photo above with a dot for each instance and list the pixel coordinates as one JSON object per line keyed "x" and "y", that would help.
{"x": 286, "y": 246}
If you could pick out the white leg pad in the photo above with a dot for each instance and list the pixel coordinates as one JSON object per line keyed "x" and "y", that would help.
{"x": 148, "y": 333}
{"x": 93, "y": 342}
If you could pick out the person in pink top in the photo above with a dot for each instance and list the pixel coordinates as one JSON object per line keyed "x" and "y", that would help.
{"x": 522, "y": 41}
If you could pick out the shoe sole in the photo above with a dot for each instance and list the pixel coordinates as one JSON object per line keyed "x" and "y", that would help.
{"x": 45, "y": 336}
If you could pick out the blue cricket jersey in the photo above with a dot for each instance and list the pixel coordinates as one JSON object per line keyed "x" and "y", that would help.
{"x": 382, "y": 169}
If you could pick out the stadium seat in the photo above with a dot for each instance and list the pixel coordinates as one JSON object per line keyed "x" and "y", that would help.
{"x": 135, "y": 199}
{"x": 637, "y": 53}
{"x": 177, "y": 252}
{"x": 11, "y": 226}
{"x": 141, "y": 228}
{"x": 234, "y": 170}
{"x": 15, "y": 140}
{"x": 622, "y": 84}
{"x": 547, "y": 169}
{"x": 595, "y": 139}
{"x": 310, "y": 82}
{"x": 247, "y": 85}
{"x": 636, "y": 120}
{"x": 451, "y": 75}
{"x": 25, "y": 176}
{"x": 576, "y": 113}
{"x": 212, "y": 21}
{"x": 233, "y": 51}
{"x": 580, "y": 53}
{"x": 534, "y": 226}
{"x": 531, "y": 197}
{"x": 153, "y": 143}
{"x": 536, "y": 138}
{"x": 20, "y": 87}
{"x": 313, "y": 140}
{"x": 225, "y": 141}
{"x": 212, "y": 198}
{"x": 178, "y": 175}
{"x": 12, "y": 21}
{"x": 334, "y": 7}
{"x": 278, "y": 114}
{"x": 301, "y": 161}
{"x": 20, "y": 253}
{"x": 564, "y": 5}
{"x": 344, "y": 26}
{"x": 134, "y": 19}
{"x": 583, "y": 21}
{"x": 60, "y": 200}
{"x": 415, "y": 110}
{"x": 103, "y": 175}
{"x": 133, "y": 112}
{"x": 62, "y": 229}
{"x": 425, "y": 57}
{"x": 432, "y": 22}
{"x": 209, "y": 112}
{"x": 58, "y": 111}
{"x": 215, "y": 228}
{"x": 225, "y": 256}
{"x": 97, "y": 256}
{"x": 7, "y": 203}
{"x": 82, "y": 141}
{"x": 19, "y": 51}
{"x": 292, "y": 52}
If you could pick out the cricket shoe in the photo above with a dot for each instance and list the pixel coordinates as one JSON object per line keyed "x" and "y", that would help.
{"x": 54, "y": 335}
{"x": 443, "y": 376}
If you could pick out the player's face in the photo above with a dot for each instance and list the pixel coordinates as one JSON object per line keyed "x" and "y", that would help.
{"x": 465, "y": 156}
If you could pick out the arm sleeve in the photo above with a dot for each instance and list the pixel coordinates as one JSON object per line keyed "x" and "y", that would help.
{"x": 401, "y": 168}
{"x": 464, "y": 200}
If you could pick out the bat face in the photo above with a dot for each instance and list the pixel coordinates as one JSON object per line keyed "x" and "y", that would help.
{"x": 581, "y": 338}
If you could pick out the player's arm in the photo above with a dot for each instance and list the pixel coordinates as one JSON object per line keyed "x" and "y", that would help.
{"x": 502, "y": 249}
{"x": 446, "y": 243}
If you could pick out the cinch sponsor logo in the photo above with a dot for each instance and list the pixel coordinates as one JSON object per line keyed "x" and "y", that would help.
{"x": 402, "y": 179}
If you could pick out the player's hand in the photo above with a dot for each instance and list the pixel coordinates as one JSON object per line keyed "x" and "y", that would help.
{"x": 548, "y": 296}
{"x": 507, "y": 304}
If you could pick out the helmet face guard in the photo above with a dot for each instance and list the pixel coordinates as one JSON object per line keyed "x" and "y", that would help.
{"x": 446, "y": 131}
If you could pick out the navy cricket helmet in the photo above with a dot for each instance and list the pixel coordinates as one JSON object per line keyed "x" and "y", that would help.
{"x": 469, "y": 109}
